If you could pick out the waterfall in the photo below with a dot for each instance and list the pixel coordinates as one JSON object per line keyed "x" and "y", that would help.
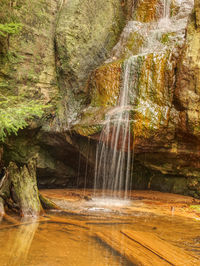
{"x": 166, "y": 12}
{"x": 165, "y": 21}
{"x": 159, "y": 38}
{"x": 113, "y": 156}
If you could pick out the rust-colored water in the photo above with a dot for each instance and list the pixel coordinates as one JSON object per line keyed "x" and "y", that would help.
{"x": 69, "y": 237}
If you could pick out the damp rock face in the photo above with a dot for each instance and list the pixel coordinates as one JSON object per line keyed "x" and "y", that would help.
{"x": 85, "y": 34}
{"x": 50, "y": 59}
{"x": 27, "y": 65}
{"x": 158, "y": 42}
{"x": 73, "y": 55}
{"x": 27, "y": 59}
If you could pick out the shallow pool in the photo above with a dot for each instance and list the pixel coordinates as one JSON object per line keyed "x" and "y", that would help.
{"x": 73, "y": 236}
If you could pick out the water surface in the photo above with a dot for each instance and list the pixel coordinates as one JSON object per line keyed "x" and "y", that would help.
{"x": 69, "y": 237}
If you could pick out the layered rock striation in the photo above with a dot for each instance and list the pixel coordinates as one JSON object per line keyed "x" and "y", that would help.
{"x": 72, "y": 54}
{"x": 50, "y": 59}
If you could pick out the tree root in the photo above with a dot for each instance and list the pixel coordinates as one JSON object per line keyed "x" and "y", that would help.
{"x": 47, "y": 203}
{"x": 19, "y": 192}
{"x": 2, "y": 210}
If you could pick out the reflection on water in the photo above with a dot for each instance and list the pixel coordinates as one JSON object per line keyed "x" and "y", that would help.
{"x": 97, "y": 237}
{"x": 19, "y": 242}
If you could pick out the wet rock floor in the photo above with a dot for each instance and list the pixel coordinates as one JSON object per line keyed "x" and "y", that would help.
{"x": 151, "y": 228}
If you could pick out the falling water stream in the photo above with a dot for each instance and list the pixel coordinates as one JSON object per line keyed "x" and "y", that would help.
{"x": 113, "y": 156}
{"x": 166, "y": 13}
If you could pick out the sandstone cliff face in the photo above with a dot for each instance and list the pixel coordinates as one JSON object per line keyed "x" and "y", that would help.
{"x": 73, "y": 54}
{"x": 27, "y": 63}
{"x": 60, "y": 44}
{"x": 86, "y": 32}
{"x": 162, "y": 51}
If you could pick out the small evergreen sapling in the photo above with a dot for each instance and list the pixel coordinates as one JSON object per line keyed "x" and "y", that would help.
{"x": 10, "y": 29}
{"x": 15, "y": 113}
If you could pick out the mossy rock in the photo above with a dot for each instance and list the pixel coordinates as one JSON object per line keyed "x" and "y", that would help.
{"x": 27, "y": 61}
{"x": 105, "y": 83}
{"x": 86, "y": 33}
{"x": 147, "y": 11}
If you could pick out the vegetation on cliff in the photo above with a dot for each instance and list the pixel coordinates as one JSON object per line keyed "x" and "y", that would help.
{"x": 15, "y": 112}
{"x": 10, "y": 28}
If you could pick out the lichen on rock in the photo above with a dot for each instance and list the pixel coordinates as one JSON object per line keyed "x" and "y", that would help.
{"x": 73, "y": 54}
{"x": 86, "y": 32}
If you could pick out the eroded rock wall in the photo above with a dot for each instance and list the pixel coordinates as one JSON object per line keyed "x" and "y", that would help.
{"x": 50, "y": 59}
{"x": 162, "y": 44}
{"x": 85, "y": 34}
{"x": 73, "y": 54}
{"x": 27, "y": 60}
